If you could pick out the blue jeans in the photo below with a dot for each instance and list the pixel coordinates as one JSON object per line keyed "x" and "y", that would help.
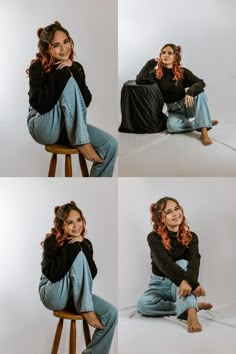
{"x": 161, "y": 298}
{"x": 178, "y": 115}
{"x": 78, "y": 282}
{"x": 68, "y": 120}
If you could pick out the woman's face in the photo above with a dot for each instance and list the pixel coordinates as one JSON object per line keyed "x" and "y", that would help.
{"x": 167, "y": 57}
{"x": 74, "y": 224}
{"x": 60, "y": 46}
{"x": 173, "y": 216}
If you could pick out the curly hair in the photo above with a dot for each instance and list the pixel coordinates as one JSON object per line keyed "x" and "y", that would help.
{"x": 159, "y": 225}
{"x": 176, "y": 69}
{"x": 46, "y": 36}
{"x": 61, "y": 213}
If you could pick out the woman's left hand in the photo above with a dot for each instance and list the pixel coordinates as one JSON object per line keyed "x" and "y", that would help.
{"x": 62, "y": 63}
{"x": 199, "y": 291}
{"x": 188, "y": 101}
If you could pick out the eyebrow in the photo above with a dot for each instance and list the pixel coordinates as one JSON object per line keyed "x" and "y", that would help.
{"x": 167, "y": 210}
{"x": 60, "y": 42}
{"x": 171, "y": 209}
{"x": 73, "y": 219}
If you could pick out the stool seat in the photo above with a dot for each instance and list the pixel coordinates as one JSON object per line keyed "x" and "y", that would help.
{"x": 73, "y": 317}
{"x": 66, "y": 315}
{"x": 58, "y": 149}
{"x": 61, "y": 149}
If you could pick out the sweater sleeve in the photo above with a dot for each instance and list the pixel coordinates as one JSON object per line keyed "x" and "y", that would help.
{"x": 56, "y": 260}
{"x": 87, "y": 248}
{"x": 194, "y": 84}
{"x": 78, "y": 72}
{"x": 46, "y": 89}
{"x": 147, "y": 73}
{"x": 193, "y": 257}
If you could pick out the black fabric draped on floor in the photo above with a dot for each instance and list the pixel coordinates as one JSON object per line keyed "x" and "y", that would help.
{"x": 141, "y": 108}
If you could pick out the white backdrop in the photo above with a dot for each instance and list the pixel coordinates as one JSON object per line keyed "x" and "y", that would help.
{"x": 206, "y": 31}
{"x": 209, "y": 206}
{"x": 93, "y": 27}
{"x": 26, "y": 210}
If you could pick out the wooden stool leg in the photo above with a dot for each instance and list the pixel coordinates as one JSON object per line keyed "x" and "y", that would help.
{"x": 86, "y": 332}
{"x": 53, "y": 165}
{"x": 72, "y": 337}
{"x": 68, "y": 166}
{"x": 57, "y": 336}
{"x": 83, "y": 166}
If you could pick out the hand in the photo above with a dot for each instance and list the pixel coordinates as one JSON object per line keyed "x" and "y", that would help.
{"x": 199, "y": 291}
{"x": 75, "y": 239}
{"x": 188, "y": 101}
{"x": 184, "y": 289}
{"x": 62, "y": 63}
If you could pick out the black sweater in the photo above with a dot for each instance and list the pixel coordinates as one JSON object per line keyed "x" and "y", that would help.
{"x": 170, "y": 91}
{"x": 57, "y": 261}
{"x": 46, "y": 89}
{"x": 163, "y": 261}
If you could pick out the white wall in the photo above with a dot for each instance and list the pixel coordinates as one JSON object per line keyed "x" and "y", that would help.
{"x": 209, "y": 206}
{"x": 93, "y": 27}
{"x": 206, "y": 31}
{"x": 26, "y": 210}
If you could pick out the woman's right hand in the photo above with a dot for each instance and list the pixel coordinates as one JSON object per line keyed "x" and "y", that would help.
{"x": 184, "y": 289}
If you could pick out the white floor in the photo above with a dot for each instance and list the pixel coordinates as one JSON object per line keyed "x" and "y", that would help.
{"x": 145, "y": 335}
{"x": 178, "y": 155}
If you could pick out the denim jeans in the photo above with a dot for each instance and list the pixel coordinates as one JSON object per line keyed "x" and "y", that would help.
{"x": 161, "y": 298}
{"x": 178, "y": 115}
{"x": 68, "y": 118}
{"x": 78, "y": 282}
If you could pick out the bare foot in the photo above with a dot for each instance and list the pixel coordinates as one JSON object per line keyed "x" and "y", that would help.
{"x": 214, "y": 122}
{"x": 92, "y": 319}
{"x": 89, "y": 153}
{"x": 204, "y": 306}
{"x": 205, "y": 137}
{"x": 193, "y": 323}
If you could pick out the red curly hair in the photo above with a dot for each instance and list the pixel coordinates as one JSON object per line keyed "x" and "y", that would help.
{"x": 46, "y": 36}
{"x": 61, "y": 213}
{"x": 177, "y": 69}
{"x": 159, "y": 225}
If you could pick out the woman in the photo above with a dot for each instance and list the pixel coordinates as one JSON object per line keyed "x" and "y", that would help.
{"x": 68, "y": 270}
{"x": 181, "y": 104}
{"x": 173, "y": 287}
{"x": 59, "y": 98}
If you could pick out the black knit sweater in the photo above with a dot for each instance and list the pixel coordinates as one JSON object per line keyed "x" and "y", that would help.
{"x": 46, "y": 89}
{"x": 170, "y": 91}
{"x": 163, "y": 261}
{"x": 57, "y": 261}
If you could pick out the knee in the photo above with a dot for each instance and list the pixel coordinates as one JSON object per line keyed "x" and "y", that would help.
{"x": 171, "y": 124}
{"x": 143, "y": 303}
{"x": 183, "y": 263}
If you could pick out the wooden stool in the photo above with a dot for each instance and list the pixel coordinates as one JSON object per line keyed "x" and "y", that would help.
{"x": 56, "y": 149}
{"x": 66, "y": 315}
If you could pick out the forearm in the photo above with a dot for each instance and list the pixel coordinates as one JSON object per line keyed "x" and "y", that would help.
{"x": 147, "y": 73}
